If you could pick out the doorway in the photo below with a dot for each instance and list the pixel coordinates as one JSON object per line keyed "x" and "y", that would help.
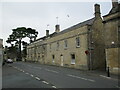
{"x": 61, "y": 57}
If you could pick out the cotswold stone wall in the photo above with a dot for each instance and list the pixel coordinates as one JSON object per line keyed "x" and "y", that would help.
{"x": 1, "y": 43}
{"x": 98, "y": 52}
{"x": 62, "y": 54}
{"x": 1, "y": 59}
{"x": 112, "y": 43}
{"x": 112, "y": 60}
{"x": 1, "y": 51}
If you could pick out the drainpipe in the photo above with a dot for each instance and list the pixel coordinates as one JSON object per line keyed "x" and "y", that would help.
{"x": 90, "y": 48}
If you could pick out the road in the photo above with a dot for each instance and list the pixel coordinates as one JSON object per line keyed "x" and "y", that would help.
{"x": 35, "y": 75}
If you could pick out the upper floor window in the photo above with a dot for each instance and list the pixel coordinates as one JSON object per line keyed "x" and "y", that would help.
{"x": 50, "y": 46}
{"x": 57, "y": 45}
{"x": 66, "y": 43}
{"x": 78, "y": 42}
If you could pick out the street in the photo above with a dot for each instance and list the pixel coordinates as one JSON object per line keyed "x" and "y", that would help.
{"x": 35, "y": 75}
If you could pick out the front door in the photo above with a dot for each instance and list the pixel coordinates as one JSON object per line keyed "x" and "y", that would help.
{"x": 61, "y": 60}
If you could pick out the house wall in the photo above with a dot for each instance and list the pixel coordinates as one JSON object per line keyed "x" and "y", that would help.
{"x": 80, "y": 56}
{"x": 1, "y": 51}
{"x": 1, "y": 60}
{"x": 112, "y": 60}
{"x": 98, "y": 51}
{"x": 100, "y": 39}
{"x": 112, "y": 41}
{"x": 36, "y": 51}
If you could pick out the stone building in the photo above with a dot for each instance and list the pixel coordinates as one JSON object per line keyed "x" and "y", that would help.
{"x": 77, "y": 47}
{"x": 112, "y": 38}
{"x": 82, "y": 46}
{"x": 1, "y": 51}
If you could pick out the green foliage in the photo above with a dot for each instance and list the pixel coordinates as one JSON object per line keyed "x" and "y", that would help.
{"x": 22, "y": 32}
{"x": 18, "y": 34}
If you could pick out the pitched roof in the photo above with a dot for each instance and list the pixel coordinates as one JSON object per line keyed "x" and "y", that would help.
{"x": 87, "y": 22}
{"x": 114, "y": 10}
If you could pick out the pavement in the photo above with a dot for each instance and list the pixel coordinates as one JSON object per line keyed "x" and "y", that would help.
{"x": 104, "y": 74}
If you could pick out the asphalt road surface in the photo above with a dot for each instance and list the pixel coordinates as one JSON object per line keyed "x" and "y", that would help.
{"x": 35, "y": 75}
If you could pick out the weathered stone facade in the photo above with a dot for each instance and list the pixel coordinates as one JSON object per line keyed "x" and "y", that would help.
{"x": 1, "y": 51}
{"x": 82, "y": 46}
{"x": 112, "y": 38}
{"x": 1, "y": 60}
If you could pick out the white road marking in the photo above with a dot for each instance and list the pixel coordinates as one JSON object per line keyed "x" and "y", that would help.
{"x": 53, "y": 86}
{"x": 81, "y": 78}
{"x": 105, "y": 77}
{"x": 51, "y": 71}
{"x": 20, "y": 70}
{"x": 91, "y": 80}
{"x": 14, "y": 67}
{"x": 32, "y": 75}
{"x": 37, "y": 78}
{"x": 27, "y": 73}
{"x": 45, "y": 82}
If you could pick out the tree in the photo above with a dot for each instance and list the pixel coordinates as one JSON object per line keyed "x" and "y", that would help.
{"x": 19, "y": 33}
{"x": 24, "y": 51}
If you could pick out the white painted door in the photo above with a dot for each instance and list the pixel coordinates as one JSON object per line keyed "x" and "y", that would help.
{"x": 61, "y": 60}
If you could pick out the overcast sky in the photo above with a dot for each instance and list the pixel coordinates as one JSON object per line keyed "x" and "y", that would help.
{"x": 38, "y": 15}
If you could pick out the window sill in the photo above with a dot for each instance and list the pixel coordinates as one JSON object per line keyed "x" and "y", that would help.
{"x": 77, "y": 46}
{"x": 72, "y": 63}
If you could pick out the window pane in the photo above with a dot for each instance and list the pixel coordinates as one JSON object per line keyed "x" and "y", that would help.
{"x": 77, "y": 41}
{"x": 72, "y": 58}
{"x": 65, "y": 43}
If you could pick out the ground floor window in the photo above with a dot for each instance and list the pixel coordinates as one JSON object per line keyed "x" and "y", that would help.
{"x": 72, "y": 58}
{"x": 53, "y": 58}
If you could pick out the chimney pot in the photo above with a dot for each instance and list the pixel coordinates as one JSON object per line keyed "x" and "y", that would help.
{"x": 57, "y": 28}
{"x": 114, "y": 3}
{"x": 97, "y": 10}
{"x": 47, "y": 32}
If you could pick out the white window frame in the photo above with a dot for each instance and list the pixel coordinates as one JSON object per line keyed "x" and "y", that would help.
{"x": 77, "y": 41}
{"x": 72, "y": 59}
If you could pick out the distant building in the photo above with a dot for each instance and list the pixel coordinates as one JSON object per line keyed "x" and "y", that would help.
{"x": 1, "y": 43}
{"x": 1, "y": 51}
{"x": 82, "y": 46}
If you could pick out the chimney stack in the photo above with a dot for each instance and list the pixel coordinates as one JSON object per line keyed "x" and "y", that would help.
{"x": 57, "y": 28}
{"x": 97, "y": 10}
{"x": 114, "y": 3}
{"x": 47, "y": 32}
